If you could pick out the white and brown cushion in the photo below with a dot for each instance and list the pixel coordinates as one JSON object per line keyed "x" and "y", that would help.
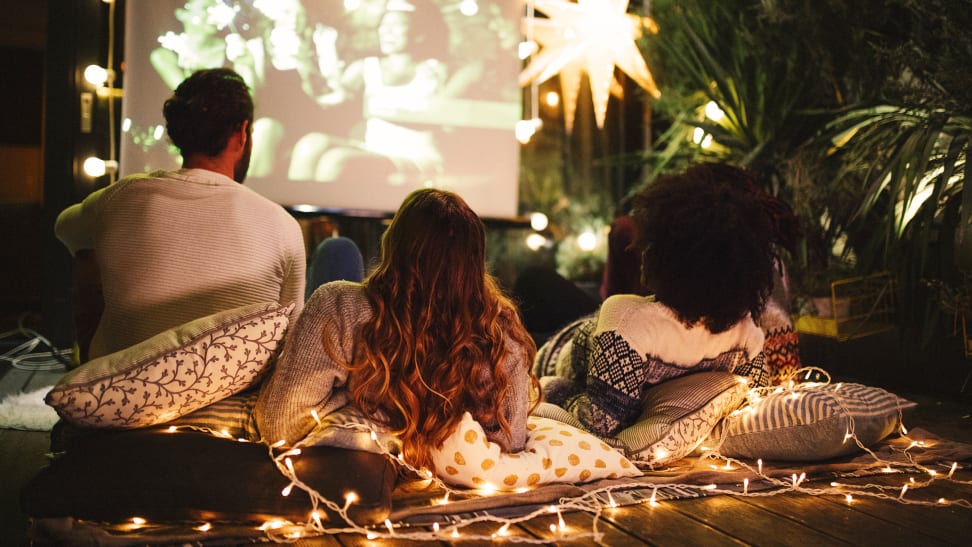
{"x": 679, "y": 414}
{"x": 175, "y": 372}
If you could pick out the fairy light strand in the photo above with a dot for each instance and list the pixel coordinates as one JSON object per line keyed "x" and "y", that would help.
{"x": 612, "y": 495}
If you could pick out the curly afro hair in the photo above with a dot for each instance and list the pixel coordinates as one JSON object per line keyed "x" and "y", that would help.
{"x": 206, "y": 109}
{"x": 707, "y": 244}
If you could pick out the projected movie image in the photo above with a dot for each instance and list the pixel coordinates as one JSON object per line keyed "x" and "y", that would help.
{"x": 358, "y": 102}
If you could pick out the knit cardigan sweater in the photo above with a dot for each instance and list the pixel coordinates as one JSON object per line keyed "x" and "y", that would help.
{"x": 307, "y": 379}
{"x": 634, "y": 343}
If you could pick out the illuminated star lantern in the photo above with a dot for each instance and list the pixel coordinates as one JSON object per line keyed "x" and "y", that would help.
{"x": 590, "y": 36}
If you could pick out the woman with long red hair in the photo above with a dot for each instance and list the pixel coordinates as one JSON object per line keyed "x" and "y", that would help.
{"x": 426, "y": 337}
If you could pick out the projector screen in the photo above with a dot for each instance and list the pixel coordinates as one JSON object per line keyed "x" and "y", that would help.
{"x": 358, "y": 102}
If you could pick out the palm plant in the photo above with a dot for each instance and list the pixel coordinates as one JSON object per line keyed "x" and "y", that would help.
{"x": 733, "y": 56}
{"x": 862, "y": 124}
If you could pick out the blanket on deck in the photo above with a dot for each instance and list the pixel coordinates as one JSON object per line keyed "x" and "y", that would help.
{"x": 416, "y": 505}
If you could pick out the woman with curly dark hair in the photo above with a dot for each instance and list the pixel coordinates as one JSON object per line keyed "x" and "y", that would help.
{"x": 426, "y": 337}
{"x": 707, "y": 256}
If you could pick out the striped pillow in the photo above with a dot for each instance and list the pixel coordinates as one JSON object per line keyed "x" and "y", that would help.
{"x": 231, "y": 417}
{"x": 811, "y": 423}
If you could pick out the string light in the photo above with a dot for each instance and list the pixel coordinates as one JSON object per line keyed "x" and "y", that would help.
{"x": 592, "y": 502}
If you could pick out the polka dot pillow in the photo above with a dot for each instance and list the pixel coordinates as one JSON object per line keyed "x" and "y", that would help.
{"x": 554, "y": 452}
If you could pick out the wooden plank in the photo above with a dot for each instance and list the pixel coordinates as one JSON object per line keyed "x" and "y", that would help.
{"x": 578, "y": 522}
{"x": 949, "y": 524}
{"x": 839, "y": 520}
{"x": 668, "y": 523}
{"x": 754, "y": 525}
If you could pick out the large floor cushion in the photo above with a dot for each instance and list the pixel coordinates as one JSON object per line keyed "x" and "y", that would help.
{"x": 187, "y": 475}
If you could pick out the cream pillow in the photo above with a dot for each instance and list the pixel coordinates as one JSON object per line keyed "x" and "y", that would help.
{"x": 554, "y": 452}
{"x": 174, "y": 372}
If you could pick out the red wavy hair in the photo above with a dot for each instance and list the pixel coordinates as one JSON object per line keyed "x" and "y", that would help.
{"x": 441, "y": 328}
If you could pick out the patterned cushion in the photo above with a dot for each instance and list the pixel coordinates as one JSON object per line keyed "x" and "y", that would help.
{"x": 679, "y": 414}
{"x": 174, "y": 372}
{"x": 554, "y": 452}
{"x": 811, "y": 423}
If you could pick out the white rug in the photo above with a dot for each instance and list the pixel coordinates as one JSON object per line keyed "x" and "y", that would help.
{"x": 27, "y": 411}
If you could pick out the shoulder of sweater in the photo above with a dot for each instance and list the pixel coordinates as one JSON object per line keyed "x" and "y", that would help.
{"x": 619, "y": 310}
{"x": 347, "y": 298}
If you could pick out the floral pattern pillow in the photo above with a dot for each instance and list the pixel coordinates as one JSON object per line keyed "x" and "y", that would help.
{"x": 175, "y": 372}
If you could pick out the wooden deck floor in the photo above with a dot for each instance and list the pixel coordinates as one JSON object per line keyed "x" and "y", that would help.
{"x": 785, "y": 519}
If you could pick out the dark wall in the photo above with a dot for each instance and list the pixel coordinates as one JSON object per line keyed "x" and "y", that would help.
{"x": 77, "y": 37}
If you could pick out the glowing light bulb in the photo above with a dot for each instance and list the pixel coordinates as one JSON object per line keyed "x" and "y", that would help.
{"x": 552, "y": 98}
{"x": 539, "y": 221}
{"x": 697, "y": 135}
{"x": 525, "y": 129}
{"x": 469, "y": 7}
{"x": 535, "y": 241}
{"x": 587, "y": 241}
{"x": 97, "y": 167}
{"x": 526, "y": 49}
{"x": 95, "y": 75}
{"x": 713, "y": 112}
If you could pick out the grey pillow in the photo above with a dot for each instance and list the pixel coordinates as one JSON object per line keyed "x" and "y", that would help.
{"x": 679, "y": 414}
{"x": 812, "y": 423}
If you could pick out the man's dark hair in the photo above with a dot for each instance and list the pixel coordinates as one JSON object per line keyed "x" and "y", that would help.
{"x": 206, "y": 108}
{"x": 707, "y": 244}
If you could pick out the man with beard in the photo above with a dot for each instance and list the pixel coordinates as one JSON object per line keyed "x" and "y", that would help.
{"x": 171, "y": 246}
